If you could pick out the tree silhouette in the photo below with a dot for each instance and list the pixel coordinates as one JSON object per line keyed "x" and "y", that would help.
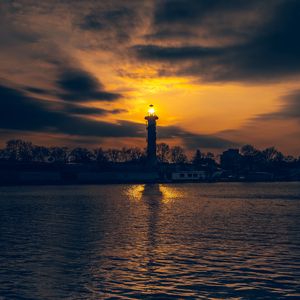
{"x": 18, "y": 150}
{"x": 40, "y": 153}
{"x": 100, "y": 156}
{"x": 252, "y": 158}
{"x": 197, "y": 159}
{"x": 81, "y": 155}
{"x": 135, "y": 154}
{"x": 113, "y": 155}
{"x": 58, "y": 154}
{"x": 163, "y": 152}
{"x": 178, "y": 156}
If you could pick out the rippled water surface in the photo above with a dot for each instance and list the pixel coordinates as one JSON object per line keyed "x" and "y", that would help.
{"x": 185, "y": 241}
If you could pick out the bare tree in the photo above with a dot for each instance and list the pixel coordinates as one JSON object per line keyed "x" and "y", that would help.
{"x": 19, "y": 150}
{"x": 135, "y": 154}
{"x": 113, "y": 155}
{"x": 177, "y": 155}
{"x": 40, "y": 153}
{"x": 272, "y": 154}
{"x": 249, "y": 150}
{"x": 163, "y": 152}
{"x": 58, "y": 154}
{"x": 81, "y": 155}
{"x": 100, "y": 156}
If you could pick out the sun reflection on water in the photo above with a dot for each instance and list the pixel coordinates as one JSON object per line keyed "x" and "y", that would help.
{"x": 164, "y": 193}
{"x": 170, "y": 193}
{"x": 134, "y": 192}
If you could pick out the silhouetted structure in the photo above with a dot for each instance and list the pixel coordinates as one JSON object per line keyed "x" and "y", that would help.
{"x": 151, "y": 136}
{"x": 230, "y": 159}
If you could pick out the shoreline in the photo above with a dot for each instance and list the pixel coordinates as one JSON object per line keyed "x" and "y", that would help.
{"x": 70, "y": 183}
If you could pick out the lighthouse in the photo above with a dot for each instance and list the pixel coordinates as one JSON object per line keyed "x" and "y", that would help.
{"x": 151, "y": 135}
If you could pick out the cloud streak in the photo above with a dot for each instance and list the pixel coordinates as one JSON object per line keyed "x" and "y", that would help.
{"x": 289, "y": 109}
{"x": 79, "y": 85}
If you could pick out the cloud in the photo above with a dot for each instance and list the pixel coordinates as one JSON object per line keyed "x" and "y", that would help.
{"x": 36, "y": 90}
{"x": 289, "y": 109}
{"x": 214, "y": 21}
{"x": 92, "y": 22}
{"x": 20, "y": 112}
{"x": 193, "y": 140}
{"x": 116, "y": 24}
{"x": 88, "y": 110}
{"x": 216, "y": 40}
{"x": 193, "y": 11}
{"x": 106, "y": 19}
{"x": 79, "y": 85}
{"x": 267, "y": 52}
{"x": 163, "y": 53}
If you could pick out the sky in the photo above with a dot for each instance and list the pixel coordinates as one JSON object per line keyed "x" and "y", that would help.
{"x": 220, "y": 73}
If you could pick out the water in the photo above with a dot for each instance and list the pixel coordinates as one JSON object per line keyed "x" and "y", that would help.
{"x": 185, "y": 241}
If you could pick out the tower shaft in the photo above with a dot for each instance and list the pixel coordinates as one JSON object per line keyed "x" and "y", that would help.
{"x": 151, "y": 138}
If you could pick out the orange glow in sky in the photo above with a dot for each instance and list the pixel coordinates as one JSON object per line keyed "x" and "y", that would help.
{"x": 86, "y": 73}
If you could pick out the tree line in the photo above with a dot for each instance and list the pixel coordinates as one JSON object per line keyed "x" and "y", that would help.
{"x": 246, "y": 158}
{"x": 24, "y": 151}
{"x": 250, "y": 159}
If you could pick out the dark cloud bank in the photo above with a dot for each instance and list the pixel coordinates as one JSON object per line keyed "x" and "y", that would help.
{"x": 79, "y": 85}
{"x": 21, "y": 112}
{"x": 267, "y": 51}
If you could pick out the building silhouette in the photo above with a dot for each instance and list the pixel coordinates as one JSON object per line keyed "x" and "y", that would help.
{"x": 151, "y": 136}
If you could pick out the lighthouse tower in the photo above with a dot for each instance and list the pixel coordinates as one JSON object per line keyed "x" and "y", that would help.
{"x": 151, "y": 135}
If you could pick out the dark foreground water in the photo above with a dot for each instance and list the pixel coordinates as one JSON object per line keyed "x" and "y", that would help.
{"x": 186, "y": 241}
